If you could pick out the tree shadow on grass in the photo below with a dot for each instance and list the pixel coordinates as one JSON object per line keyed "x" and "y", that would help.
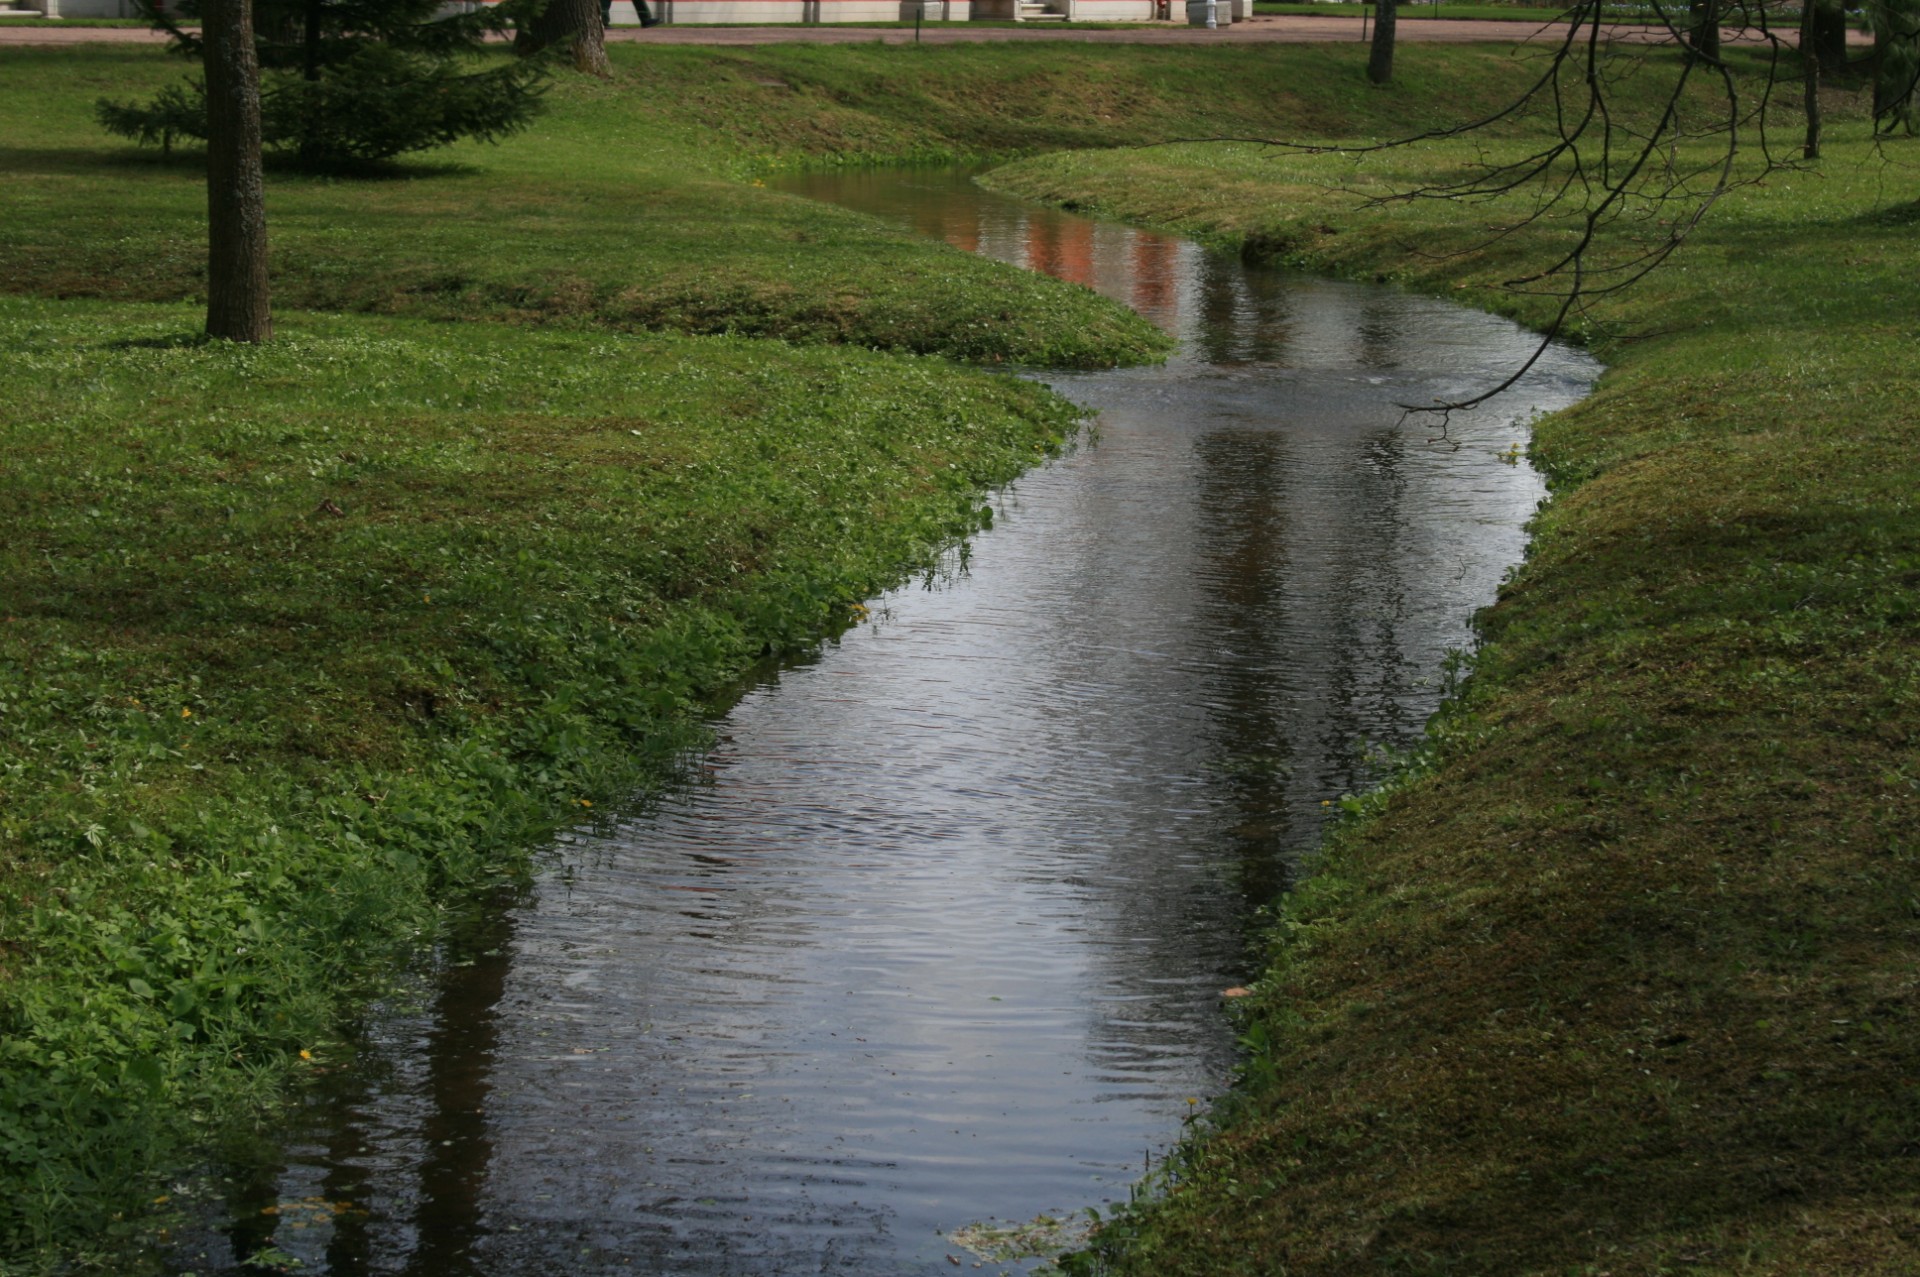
{"x": 169, "y": 341}
{"x": 192, "y": 160}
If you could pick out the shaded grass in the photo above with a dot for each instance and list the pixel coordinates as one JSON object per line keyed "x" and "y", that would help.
{"x": 603, "y": 216}
{"x": 627, "y": 208}
{"x": 1620, "y": 975}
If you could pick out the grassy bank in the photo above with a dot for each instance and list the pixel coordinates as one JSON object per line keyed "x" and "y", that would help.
{"x": 304, "y": 644}
{"x": 301, "y": 647}
{"x": 1620, "y": 977}
{"x": 631, "y": 207}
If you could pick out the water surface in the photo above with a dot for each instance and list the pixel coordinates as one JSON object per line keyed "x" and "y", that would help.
{"x": 937, "y": 932}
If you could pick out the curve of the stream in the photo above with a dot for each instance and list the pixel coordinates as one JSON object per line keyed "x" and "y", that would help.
{"x": 937, "y": 933}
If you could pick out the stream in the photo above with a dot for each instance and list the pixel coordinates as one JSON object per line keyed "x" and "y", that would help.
{"x": 936, "y": 933}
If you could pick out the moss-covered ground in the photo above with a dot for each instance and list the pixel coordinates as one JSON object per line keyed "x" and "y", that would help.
{"x": 1620, "y": 976}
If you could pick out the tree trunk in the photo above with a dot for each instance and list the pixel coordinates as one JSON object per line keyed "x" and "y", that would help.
{"x": 1828, "y": 35}
{"x": 573, "y": 25}
{"x": 1810, "y": 77}
{"x": 1706, "y": 28}
{"x": 237, "y": 307}
{"x": 1380, "y": 56}
{"x": 310, "y": 43}
{"x": 1896, "y": 65}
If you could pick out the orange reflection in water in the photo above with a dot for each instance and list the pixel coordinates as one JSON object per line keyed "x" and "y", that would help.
{"x": 960, "y": 228}
{"x": 1063, "y": 249}
{"x": 1154, "y": 262}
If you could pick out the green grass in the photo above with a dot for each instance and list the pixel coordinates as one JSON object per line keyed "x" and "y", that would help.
{"x": 1620, "y": 975}
{"x": 628, "y": 210}
{"x": 594, "y": 414}
{"x": 966, "y": 25}
{"x": 602, "y": 218}
{"x": 305, "y": 642}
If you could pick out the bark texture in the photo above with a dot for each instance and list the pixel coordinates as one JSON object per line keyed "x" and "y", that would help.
{"x": 1810, "y": 82}
{"x": 237, "y": 300}
{"x": 571, "y": 25}
{"x": 1706, "y": 28}
{"x": 1826, "y": 29}
{"x": 1380, "y": 54}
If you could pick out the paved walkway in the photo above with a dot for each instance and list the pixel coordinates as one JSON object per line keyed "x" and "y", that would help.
{"x": 1259, "y": 30}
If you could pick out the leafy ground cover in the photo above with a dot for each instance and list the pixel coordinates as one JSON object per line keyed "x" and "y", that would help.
{"x": 303, "y": 644}
{"x": 301, "y": 647}
{"x": 1620, "y": 976}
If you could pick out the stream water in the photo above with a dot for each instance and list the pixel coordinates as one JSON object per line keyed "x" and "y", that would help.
{"x": 937, "y": 932}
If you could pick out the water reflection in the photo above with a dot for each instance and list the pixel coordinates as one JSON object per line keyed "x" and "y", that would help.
{"x": 937, "y": 933}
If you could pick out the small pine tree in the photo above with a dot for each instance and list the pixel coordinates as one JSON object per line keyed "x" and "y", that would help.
{"x": 1896, "y": 82}
{"x": 353, "y": 82}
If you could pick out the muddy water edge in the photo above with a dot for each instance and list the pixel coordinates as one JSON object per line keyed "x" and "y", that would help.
{"x": 934, "y": 935}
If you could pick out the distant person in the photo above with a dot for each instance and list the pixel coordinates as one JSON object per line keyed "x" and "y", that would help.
{"x": 639, "y": 6}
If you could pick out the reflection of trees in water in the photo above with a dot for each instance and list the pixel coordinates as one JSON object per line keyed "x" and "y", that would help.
{"x": 1381, "y": 333}
{"x": 1291, "y": 561}
{"x": 1368, "y": 674}
{"x": 253, "y": 1198}
{"x": 351, "y": 1127}
{"x": 347, "y": 1184}
{"x": 1247, "y": 316}
{"x": 1310, "y": 594}
{"x": 458, "y": 1149}
{"x": 1244, "y": 494}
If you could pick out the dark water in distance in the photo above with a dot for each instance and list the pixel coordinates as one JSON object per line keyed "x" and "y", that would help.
{"x": 937, "y": 932}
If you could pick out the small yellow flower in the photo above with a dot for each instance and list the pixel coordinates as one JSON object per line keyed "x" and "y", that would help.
{"x": 306, "y": 1055}
{"x": 585, "y": 803}
{"x": 185, "y": 712}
